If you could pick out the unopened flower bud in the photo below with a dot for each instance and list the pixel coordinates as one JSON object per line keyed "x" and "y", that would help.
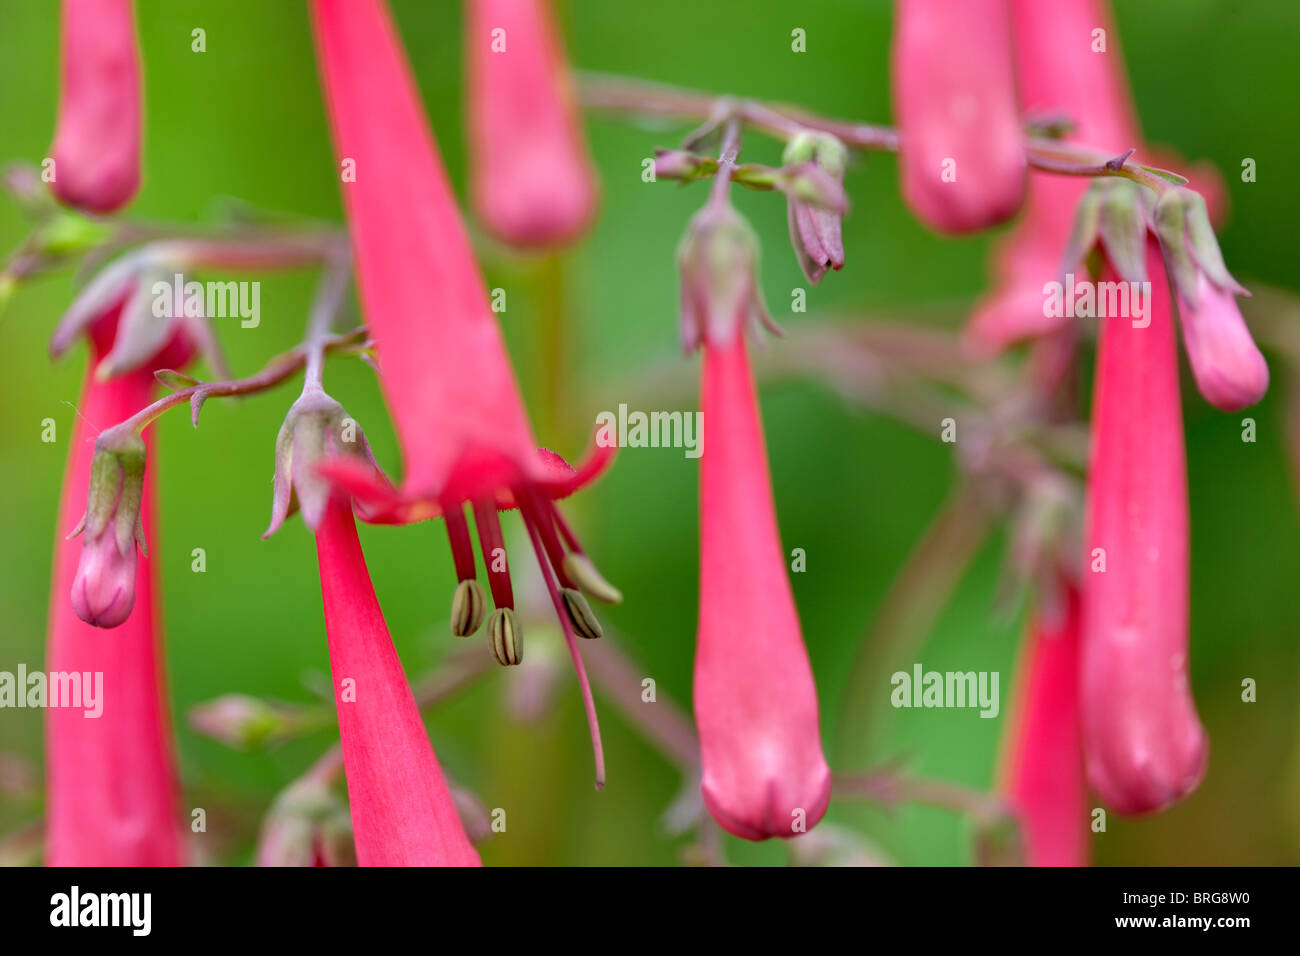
{"x": 683, "y": 165}
{"x": 1229, "y": 369}
{"x": 103, "y": 591}
{"x": 507, "y": 638}
{"x": 718, "y": 259}
{"x": 316, "y": 429}
{"x": 815, "y": 213}
{"x": 251, "y": 723}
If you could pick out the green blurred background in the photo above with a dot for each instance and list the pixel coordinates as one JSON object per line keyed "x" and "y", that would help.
{"x": 244, "y": 119}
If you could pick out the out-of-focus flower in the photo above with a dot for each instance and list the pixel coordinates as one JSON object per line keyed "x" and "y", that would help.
{"x": 961, "y": 153}
{"x": 251, "y": 723}
{"x": 1057, "y": 73}
{"x": 1229, "y": 369}
{"x": 111, "y": 781}
{"x": 533, "y": 183}
{"x": 459, "y": 416}
{"x": 764, "y": 773}
{"x": 307, "y": 826}
{"x": 1043, "y": 770}
{"x": 1143, "y": 743}
{"x": 402, "y": 811}
{"x": 96, "y": 149}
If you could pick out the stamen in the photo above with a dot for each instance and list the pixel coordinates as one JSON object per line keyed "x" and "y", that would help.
{"x": 492, "y": 543}
{"x": 585, "y": 622}
{"x": 467, "y": 608}
{"x": 462, "y": 549}
{"x": 527, "y": 510}
{"x": 507, "y": 637}
{"x": 580, "y": 570}
{"x": 545, "y": 511}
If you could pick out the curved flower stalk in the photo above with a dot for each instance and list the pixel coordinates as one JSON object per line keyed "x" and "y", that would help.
{"x": 402, "y": 811}
{"x": 960, "y": 152}
{"x": 1057, "y": 74}
{"x": 96, "y": 147}
{"x": 764, "y": 773}
{"x": 1043, "y": 770}
{"x": 532, "y": 179}
{"x": 112, "y": 782}
{"x": 1145, "y": 748}
{"x": 443, "y": 366}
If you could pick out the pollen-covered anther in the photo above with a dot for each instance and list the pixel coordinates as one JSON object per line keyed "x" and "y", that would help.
{"x": 467, "y": 607}
{"x": 585, "y": 622}
{"x": 507, "y": 637}
{"x": 579, "y": 569}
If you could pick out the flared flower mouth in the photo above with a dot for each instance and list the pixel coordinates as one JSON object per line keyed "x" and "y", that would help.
{"x": 489, "y": 482}
{"x": 482, "y": 476}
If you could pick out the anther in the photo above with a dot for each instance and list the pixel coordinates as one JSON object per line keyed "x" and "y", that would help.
{"x": 507, "y": 638}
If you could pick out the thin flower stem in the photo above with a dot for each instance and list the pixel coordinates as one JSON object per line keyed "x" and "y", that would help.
{"x": 277, "y": 371}
{"x": 890, "y": 788}
{"x": 329, "y": 299}
{"x": 623, "y": 95}
{"x": 726, "y": 163}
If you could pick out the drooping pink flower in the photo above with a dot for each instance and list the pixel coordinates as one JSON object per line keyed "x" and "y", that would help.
{"x": 402, "y": 811}
{"x": 1043, "y": 770}
{"x": 1058, "y": 73}
{"x": 1145, "y": 748}
{"x": 961, "y": 156}
{"x": 1229, "y": 369}
{"x": 444, "y": 370}
{"x": 532, "y": 179}
{"x": 96, "y": 149}
{"x": 113, "y": 795}
{"x": 764, "y": 773}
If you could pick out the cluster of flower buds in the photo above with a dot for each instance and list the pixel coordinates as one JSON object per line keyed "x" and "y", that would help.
{"x": 1117, "y": 217}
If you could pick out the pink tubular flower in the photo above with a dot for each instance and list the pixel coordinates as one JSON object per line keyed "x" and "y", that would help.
{"x": 444, "y": 369}
{"x": 402, "y": 811}
{"x": 112, "y": 783}
{"x": 960, "y": 154}
{"x": 96, "y": 147}
{"x": 1043, "y": 773}
{"x": 532, "y": 180}
{"x": 755, "y": 701}
{"x": 1057, "y": 73}
{"x": 1144, "y": 746}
